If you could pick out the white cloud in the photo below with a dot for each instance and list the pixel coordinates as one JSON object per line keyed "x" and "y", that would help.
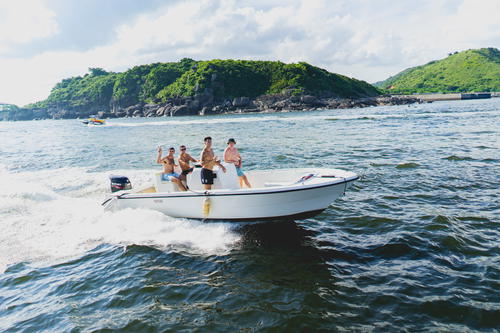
{"x": 22, "y": 21}
{"x": 366, "y": 40}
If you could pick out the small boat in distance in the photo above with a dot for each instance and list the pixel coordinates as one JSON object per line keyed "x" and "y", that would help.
{"x": 92, "y": 120}
{"x": 276, "y": 194}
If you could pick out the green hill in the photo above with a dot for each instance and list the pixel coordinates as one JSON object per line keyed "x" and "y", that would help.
{"x": 100, "y": 90}
{"x": 466, "y": 71}
{"x": 7, "y": 107}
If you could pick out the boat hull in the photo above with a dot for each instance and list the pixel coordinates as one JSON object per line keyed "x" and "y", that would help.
{"x": 290, "y": 202}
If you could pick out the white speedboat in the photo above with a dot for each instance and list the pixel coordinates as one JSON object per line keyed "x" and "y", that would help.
{"x": 276, "y": 194}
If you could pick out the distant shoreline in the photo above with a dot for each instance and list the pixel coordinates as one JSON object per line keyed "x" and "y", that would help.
{"x": 239, "y": 105}
{"x": 242, "y": 105}
{"x": 432, "y": 97}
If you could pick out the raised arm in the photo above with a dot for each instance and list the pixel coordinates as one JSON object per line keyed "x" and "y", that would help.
{"x": 158, "y": 158}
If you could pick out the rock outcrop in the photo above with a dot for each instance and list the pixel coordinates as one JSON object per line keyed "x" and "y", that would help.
{"x": 203, "y": 104}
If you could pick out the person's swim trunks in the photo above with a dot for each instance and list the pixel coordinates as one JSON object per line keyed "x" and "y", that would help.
{"x": 185, "y": 172}
{"x": 168, "y": 176}
{"x": 207, "y": 176}
{"x": 239, "y": 172}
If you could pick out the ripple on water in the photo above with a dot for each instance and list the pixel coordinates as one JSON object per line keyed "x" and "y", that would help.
{"x": 379, "y": 164}
{"x": 280, "y": 157}
{"x": 453, "y": 310}
{"x": 458, "y": 158}
{"x": 490, "y": 160}
{"x": 390, "y": 197}
{"x": 394, "y": 249}
{"x": 370, "y": 222}
{"x": 409, "y": 165}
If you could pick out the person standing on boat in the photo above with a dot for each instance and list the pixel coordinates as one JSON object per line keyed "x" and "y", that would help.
{"x": 184, "y": 160}
{"x": 168, "y": 168}
{"x": 232, "y": 155}
{"x": 208, "y": 161}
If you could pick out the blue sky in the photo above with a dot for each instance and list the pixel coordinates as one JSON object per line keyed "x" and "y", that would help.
{"x": 44, "y": 41}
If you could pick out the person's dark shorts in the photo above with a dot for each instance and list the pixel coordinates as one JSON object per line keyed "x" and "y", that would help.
{"x": 185, "y": 172}
{"x": 207, "y": 176}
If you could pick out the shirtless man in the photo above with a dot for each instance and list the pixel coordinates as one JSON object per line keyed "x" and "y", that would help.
{"x": 168, "y": 167}
{"x": 208, "y": 160}
{"x": 184, "y": 160}
{"x": 232, "y": 155}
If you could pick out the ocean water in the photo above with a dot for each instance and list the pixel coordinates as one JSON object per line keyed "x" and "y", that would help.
{"x": 413, "y": 246}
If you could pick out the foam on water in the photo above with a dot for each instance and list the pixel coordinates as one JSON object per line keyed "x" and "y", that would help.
{"x": 190, "y": 122}
{"x": 55, "y": 214}
{"x": 284, "y": 117}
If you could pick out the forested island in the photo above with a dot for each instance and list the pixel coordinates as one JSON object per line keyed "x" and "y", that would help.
{"x": 190, "y": 87}
{"x": 476, "y": 70}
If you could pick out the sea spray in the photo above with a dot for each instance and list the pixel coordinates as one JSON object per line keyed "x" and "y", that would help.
{"x": 45, "y": 216}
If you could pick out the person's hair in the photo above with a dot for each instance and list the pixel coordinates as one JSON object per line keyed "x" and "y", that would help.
{"x": 207, "y": 138}
{"x": 182, "y": 146}
{"x": 171, "y": 148}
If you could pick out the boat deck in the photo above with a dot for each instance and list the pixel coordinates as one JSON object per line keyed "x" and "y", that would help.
{"x": 150, "y": 189}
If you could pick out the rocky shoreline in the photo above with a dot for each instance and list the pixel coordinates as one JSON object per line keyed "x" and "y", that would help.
{"x": 204, "y": 105}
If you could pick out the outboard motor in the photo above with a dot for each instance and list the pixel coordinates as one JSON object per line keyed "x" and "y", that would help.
{"x": 119, "y": 183}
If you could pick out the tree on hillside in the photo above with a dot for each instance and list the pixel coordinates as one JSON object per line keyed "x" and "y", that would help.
{"x": 96, "y": 71}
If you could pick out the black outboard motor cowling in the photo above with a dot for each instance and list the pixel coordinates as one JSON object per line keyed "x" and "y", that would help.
{"x": 119, "y": 183}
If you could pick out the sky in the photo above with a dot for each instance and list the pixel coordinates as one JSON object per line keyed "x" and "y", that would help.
{"x": 45, "y": 41}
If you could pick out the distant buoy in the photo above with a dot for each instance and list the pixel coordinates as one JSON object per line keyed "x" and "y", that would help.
{"x": 206, "y": 207}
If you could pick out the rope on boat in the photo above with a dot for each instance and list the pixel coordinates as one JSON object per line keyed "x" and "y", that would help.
{"x": 196, "y": 192}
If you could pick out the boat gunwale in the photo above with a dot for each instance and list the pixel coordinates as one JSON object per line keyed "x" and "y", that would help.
{"x": 259, "y": 191}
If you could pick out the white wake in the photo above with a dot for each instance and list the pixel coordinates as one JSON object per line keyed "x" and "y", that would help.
{"x": 56, "y": 214}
